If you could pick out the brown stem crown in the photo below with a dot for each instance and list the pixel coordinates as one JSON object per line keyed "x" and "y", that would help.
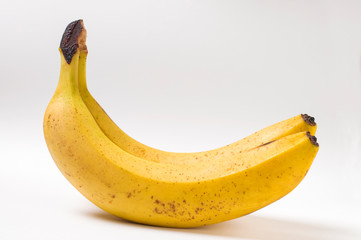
{"x": 74, "y": 38}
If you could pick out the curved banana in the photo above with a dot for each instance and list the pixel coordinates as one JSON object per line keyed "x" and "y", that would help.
{"x": 162, "y": 194}
{"x": 296, "y": 124}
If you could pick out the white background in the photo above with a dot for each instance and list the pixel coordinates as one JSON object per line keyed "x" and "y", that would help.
{"x": 186, "y": 76}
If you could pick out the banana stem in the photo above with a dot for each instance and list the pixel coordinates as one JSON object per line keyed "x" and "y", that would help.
{"x": 73, "y": 50}
{"x": 68, "y": 80}
{"x": 82, "y": 73}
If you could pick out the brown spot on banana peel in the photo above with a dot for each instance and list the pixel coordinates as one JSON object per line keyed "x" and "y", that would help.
{"x": 264, "y": 144}
{"x": 74, "y": 38}
{"x": 308, "y": 119}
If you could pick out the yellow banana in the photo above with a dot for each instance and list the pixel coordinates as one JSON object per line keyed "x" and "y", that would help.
{"x": 162, "y": 194}
{"x": 299, "y": 123}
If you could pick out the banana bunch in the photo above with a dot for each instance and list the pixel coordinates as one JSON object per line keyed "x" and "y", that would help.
{"x": 145, "y": 185}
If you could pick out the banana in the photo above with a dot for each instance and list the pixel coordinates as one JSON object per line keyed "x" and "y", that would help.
{"x": 162, "y": 194}
{"x": 300, "y": 123}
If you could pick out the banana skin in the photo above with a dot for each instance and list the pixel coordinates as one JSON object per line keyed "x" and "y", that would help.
{"x": 162, "y": 193}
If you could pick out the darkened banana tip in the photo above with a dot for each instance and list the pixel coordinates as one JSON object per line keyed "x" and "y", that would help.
{"x": 313, "y": 139}
{"x": 308, "y": 119}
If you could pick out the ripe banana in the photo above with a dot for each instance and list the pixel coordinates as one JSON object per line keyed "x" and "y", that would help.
{"x": 163, "y": 194}
{"x": 296, "y": 124}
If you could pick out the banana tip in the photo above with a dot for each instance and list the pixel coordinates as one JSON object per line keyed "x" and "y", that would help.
{"x": 313, "y": 139}
{"x": 308, "y": 119}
